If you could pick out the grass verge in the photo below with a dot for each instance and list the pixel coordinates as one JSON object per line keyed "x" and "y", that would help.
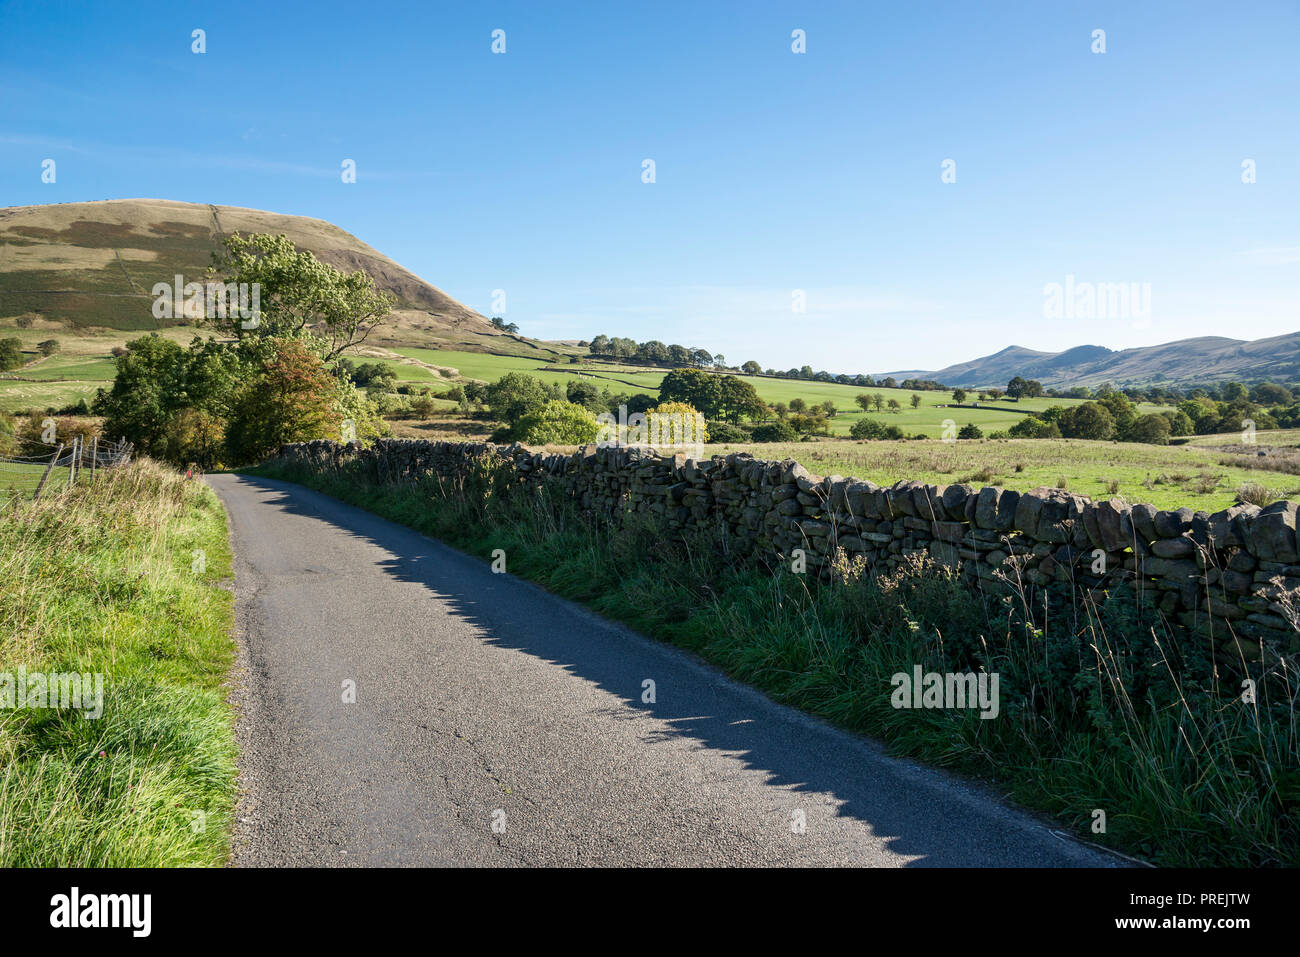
{"x": 1102, "y": 710}
{"x": 118, "y": 578}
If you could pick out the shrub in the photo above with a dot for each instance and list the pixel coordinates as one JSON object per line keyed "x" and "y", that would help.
{"x": 811, "y": 424}
{"x": 867, "y": 429}
{"x": 1032, "y": 427}
{"x": 726, "y": 432}
{"x": 391, "y": 404}
{"x": 30, "y": 434}
{"x": 1152, "y": 429}
{"x": 970, "y": 431}
{"x": 774, "y": 432}
{"x": 676, "y": 424}
{"x": 423, "y": 406}
{"x": 556, "y": 422}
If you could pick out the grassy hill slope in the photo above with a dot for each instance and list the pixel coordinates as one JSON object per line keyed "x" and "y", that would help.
{"x": 87, "y": 265}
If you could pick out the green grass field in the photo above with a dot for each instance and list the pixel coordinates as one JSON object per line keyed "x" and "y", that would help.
{"x": 21, "y": 396}
{"x": 927, "y": 419}
{"x": 82, "y": 365}
{"x": 1192, "y": 474}
{"x": 55, "y": 382}
{"x": 20, "y": 479}
{"x": 489, "y": 368}
{"x": 104, "y": 580}
{"x": 61, "y": 368}
{"x": 1164, "y": 476}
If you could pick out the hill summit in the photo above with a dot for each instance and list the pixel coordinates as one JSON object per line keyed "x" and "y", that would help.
{"x": 94, "y": 264}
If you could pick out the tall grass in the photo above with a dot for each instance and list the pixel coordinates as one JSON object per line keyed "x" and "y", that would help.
{"x": 1102, "y": 709}
{"x": 108, "y": 579}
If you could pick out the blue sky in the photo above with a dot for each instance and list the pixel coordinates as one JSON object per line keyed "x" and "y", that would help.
{"x": 775, "y": 171}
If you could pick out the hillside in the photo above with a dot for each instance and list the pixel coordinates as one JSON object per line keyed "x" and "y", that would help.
{"x": 88, "y": 268}
{"x": 1205, "y": 359}
{"x": 92, "y": 265}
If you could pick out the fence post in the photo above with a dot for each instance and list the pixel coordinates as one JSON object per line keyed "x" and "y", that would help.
{"x": 94, "y": 455}
{"x": 72, "y": 462}
{"x": 46, "y": 476}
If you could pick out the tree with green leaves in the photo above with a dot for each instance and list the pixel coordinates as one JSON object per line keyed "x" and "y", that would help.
{"x": 1153, "y": 429}
{"x": 867, "y": 429}
{"x": 1091, "y": 420}
{"x": 290, "y": 398}
{"x": 698, "y": 389}
{"x": 11, "y": 354}
{"x": 737, "y": 399}
{"x": 300, "y": 297}
{"x": 158, "y": 379}
{"x": 516, "y": 394}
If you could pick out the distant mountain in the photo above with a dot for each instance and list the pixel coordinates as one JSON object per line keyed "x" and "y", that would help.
{"x": 1205, "y": 359}
{"x": 95, "y": 264}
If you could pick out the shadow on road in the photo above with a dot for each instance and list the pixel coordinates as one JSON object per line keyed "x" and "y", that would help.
{"x": 919, "y": 813}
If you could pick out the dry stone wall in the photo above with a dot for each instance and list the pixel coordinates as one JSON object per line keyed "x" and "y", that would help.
{"x": 1229, "y": 577}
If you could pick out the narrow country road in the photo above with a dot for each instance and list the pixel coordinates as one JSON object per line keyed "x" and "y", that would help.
{"x": 495, "y": 724}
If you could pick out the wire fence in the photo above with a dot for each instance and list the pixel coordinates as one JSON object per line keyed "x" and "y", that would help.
{"x": 34, "y": 476}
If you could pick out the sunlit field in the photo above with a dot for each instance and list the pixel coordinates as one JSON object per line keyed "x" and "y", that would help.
{"x": 928, "y": 418}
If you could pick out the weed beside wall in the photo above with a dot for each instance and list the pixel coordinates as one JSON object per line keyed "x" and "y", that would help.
{"x": 1133, "y": 730}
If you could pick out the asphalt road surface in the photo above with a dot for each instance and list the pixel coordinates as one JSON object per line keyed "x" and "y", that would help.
{"x": 496, "y": 724}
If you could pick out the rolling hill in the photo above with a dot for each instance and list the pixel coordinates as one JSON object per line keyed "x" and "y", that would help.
{"x": 1205, "y": 359}
{"x": 89, "y": 267}
{"x": 92, "y": 265}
